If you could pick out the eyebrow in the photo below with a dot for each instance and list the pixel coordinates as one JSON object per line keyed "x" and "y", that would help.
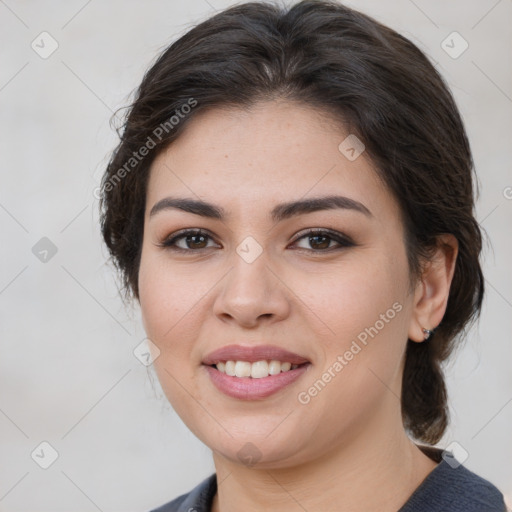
{"x": 279, "y": 213}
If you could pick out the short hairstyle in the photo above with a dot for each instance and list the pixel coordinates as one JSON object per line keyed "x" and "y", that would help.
{"x": 353, "y": 69}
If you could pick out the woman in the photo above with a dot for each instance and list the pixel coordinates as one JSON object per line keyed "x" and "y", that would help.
{"x": 291, "y": 204}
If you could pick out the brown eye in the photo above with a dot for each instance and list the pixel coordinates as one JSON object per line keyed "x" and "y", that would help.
{"x": 187, "y": 241}
{"x": 320, "y": 240}
{"x": 317, "y": 240}
{"x": 196, "y": 241}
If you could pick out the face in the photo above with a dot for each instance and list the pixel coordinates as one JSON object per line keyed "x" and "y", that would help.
{"x": 327, "y": 284}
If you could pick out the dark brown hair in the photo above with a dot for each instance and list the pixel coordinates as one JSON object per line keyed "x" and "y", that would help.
{"x": 350, "y": 67}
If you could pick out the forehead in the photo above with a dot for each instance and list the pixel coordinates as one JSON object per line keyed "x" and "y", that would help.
{"x": 275, "y": 152}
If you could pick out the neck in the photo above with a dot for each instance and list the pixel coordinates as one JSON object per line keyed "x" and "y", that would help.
{"x": 376, "y": 471}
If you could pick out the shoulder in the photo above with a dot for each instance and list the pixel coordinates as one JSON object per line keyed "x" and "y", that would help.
{"x": 199, "y": 499}
{"x": 451, "y": 486}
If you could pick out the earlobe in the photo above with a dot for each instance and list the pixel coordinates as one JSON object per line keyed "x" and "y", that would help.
{"x": 433, "y": 289}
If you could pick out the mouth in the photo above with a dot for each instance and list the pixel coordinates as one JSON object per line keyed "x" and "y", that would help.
{"x": 251, "y": 373}
{"x": 256, "y": 370}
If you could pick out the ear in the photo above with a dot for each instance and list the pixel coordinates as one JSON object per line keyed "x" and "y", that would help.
{"x": 432, "y": 291}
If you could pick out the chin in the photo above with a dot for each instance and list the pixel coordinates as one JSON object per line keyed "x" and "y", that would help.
{"x": 261, "y": 451}
{"x": 259, "y": 456}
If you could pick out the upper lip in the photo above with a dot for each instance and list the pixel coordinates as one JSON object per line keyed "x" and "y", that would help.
{"x": 252, "y": 354}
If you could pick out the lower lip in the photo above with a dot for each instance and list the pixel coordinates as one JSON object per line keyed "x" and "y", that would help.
{"x": 247, "y": 388}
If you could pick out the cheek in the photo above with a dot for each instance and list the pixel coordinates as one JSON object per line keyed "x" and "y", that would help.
{"x": 174, "y": 300}
{"x": 365, "y": 308}
{"x": 350, "y": 299}
{"x": 166, "y": 302}
{"x": 165, "y": 297}
{"x": 166, "y": 292}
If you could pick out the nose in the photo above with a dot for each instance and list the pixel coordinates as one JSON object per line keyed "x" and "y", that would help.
{"x": 252, "y": 294}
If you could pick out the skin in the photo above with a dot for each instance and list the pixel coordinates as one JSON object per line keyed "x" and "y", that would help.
{"x": 345, "y": 450}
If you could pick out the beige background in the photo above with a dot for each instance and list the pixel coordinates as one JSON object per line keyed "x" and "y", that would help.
{"x": 68, "y": 375}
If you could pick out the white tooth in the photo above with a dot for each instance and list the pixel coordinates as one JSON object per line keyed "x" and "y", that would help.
{"x": 274, "y": 367}
{"x": 221, "y": 366}
{"x": 285, "y": 366}
{"x": 259, "y": 369}
{"x": 243, "y": 369}
{"x": 230, "y": 368}
{"x": 294, "y": 366}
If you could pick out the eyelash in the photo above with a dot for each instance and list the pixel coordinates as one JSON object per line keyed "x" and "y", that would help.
{"x": 343, "y": 240}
